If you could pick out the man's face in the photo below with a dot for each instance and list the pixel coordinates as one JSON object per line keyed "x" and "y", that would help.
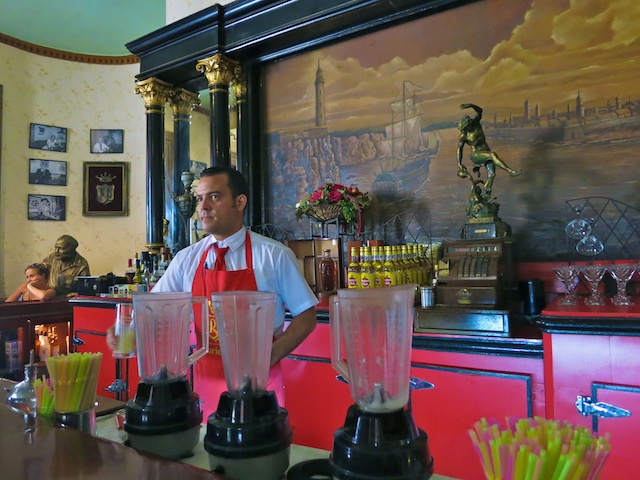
{"x": 219, "y": 213}
{"x": 63, "y": 250}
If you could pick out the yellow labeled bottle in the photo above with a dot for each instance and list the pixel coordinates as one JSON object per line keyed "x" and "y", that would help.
{"x": 376, "y": 259}
{"x": 367, "y": 275}
{"x": 353, "y": 269}
{"x": 388, "y": 268}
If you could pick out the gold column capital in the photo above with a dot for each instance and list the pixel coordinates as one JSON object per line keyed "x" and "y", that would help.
{"x": 219, "y": 70}
{"x": 183, "y": 102}
{"x": 239, "y": 86}
{"x": 154, "y": 92}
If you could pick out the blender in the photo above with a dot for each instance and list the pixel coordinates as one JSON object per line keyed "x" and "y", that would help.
{"x": 164, "y": 417}
{"x": 379, "y": 439}
{"x": 249, "y": 435}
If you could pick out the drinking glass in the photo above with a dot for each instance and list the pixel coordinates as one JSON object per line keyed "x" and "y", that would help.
{"x": 568, "y": 275}
{"x": 622, "y": 273}
{"x": 578, "y": 228}
{"x": 593, "y": 274}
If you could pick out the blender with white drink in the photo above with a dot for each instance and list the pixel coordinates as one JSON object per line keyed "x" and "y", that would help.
{"x": 165, "y": 416}
{"x": 379, "y": 439}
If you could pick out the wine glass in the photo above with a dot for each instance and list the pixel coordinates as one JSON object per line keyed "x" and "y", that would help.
{"x": 590, "y": 246}
{"x": 593, "y": 274}
{"x": 568, "y": 275}
{"x": 578, "y": 228}
{"x": 622, "y": 273}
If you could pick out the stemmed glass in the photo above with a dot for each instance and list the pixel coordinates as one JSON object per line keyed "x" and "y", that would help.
{"x": 593, "y": 274}
{"x": 568, "y": 275}
{"x": 622, "y": 273}
{"x": 578, "y": 228}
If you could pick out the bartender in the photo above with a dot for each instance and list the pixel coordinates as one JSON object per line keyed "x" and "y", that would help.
{"x": 234, "y": 258}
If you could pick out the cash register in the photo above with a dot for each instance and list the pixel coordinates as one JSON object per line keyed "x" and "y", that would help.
{"x": 473, "y": 291}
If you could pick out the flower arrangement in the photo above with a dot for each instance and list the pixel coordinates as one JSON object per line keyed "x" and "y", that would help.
{"x": 347, "y": 203}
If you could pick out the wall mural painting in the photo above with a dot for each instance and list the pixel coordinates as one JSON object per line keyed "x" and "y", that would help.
{"x": 557, "y": 81}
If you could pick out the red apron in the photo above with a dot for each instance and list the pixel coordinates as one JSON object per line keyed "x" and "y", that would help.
{"x": 209, "y": 381}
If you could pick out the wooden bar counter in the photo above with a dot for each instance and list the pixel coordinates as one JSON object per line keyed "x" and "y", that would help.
{"x": 43, "y": 452}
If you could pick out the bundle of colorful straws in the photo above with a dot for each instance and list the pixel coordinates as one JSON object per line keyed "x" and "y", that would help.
{"x": 539, "y": 449}
{"x": 44, "y": 397}
{"x": 74, "y": 378}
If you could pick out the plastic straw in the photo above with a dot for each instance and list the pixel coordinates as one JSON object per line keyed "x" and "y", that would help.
{"x": 74, "y": 378}
{"x": 538, "y": 449}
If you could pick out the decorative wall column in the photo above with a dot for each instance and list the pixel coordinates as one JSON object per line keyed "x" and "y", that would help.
{"x": 183, "y": 102}
{"x": 220, "y": 72}
{"x": 155, "y": 93}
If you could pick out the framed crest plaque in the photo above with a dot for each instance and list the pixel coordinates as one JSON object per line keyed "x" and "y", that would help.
{"x": 106, "y": 189}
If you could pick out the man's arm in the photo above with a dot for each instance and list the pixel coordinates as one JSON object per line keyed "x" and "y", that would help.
{"x": 478, "y": 110}
{"x": 300, "y": 327}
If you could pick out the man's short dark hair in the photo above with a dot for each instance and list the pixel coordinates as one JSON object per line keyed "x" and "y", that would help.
{"x": 237, "y": 183}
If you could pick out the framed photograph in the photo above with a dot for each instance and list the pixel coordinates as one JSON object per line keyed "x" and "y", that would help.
{"x": 107, "y": 141}
{"x": 47, "y": 137}
{"x": 47, "y": 172}
{"x": 106, "y": 189}
{"x": 47, "y": 207}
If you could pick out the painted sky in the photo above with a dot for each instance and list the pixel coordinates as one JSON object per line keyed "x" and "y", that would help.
{"x": 495, "y": 53}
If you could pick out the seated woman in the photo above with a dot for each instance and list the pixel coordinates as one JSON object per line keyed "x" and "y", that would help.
{"x": 35, "y": 287}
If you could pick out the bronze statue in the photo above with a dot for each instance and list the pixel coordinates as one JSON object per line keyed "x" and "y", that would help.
{"x": 66, "y": 264}
{"x": 471, "y": 133}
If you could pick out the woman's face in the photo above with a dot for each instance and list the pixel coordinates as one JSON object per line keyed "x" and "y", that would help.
{"x": 34, "y": 276}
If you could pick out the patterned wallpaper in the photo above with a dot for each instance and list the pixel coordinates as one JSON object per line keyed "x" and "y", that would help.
{"x": 78, "y": 97}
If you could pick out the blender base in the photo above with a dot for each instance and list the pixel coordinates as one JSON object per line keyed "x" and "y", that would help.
{"x": 169, "y": 445}
{"x": 375, "y": 446}
{"x": 268, "y": 467}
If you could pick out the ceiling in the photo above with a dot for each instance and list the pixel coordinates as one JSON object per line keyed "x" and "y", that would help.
{"x": 92, "y": 27}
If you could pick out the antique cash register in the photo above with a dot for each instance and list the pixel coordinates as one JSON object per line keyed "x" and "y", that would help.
{"x": 473, "y": 273}
{"x": 475, "y": 279}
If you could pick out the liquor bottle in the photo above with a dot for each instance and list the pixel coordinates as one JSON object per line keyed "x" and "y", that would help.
{"x": 367, "y": 275}
{"x": 137, "y": 278}
{"x": 146, "y": 274}
{"x": 130, "y": 272}
{"x": 45, "y": 346}
{"x": 328, "y": 274}
{"x": 376, "y": 259}
{"x": 410, "y": 275}
{"x": 353, "y": 269}
{"x": 54, "y": 342}
{"x": 388, "y": 268}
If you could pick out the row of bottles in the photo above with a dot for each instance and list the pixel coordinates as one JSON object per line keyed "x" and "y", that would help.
{"x": 387, "y": 266}
{"x": 148, "y": 268}
{"x": 47, "y": 342}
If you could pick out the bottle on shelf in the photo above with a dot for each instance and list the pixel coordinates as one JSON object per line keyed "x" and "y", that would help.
{"x": 146, "y": 274}
{"x": 45, "y": 347}
{"x": 376, "y": 260}
{"x": 367, "y": 275}
{"x": 130, "y": 272}
{"x": 328, "y": 274}
{"x": 54, "y": 342}
{"x": 353, "y": 269}
{"x": 137, "y": 277}
{"x": 388, "y": 268}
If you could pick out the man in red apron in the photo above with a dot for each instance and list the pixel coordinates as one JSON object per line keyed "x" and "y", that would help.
{"x": 232, "y": 258}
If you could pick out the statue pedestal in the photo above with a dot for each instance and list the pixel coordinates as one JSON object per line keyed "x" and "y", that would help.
{"x": 485, "y": 227}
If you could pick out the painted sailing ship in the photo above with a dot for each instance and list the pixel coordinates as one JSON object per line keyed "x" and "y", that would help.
{"x": 406, "y": 151}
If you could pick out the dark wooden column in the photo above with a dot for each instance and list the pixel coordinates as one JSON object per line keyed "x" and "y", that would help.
{"x": 220, "y": 71}
{"x": 154, "y": 93}
{"x": 183, "y": 102}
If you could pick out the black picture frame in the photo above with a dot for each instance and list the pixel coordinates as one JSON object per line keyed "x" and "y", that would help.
{"x": 47, "y": 137}
{"x": 47, "y": 172}
{"x": 106, "y": 141}
{"x": 46, "y": 207}
{"x": 106, "y": 189}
